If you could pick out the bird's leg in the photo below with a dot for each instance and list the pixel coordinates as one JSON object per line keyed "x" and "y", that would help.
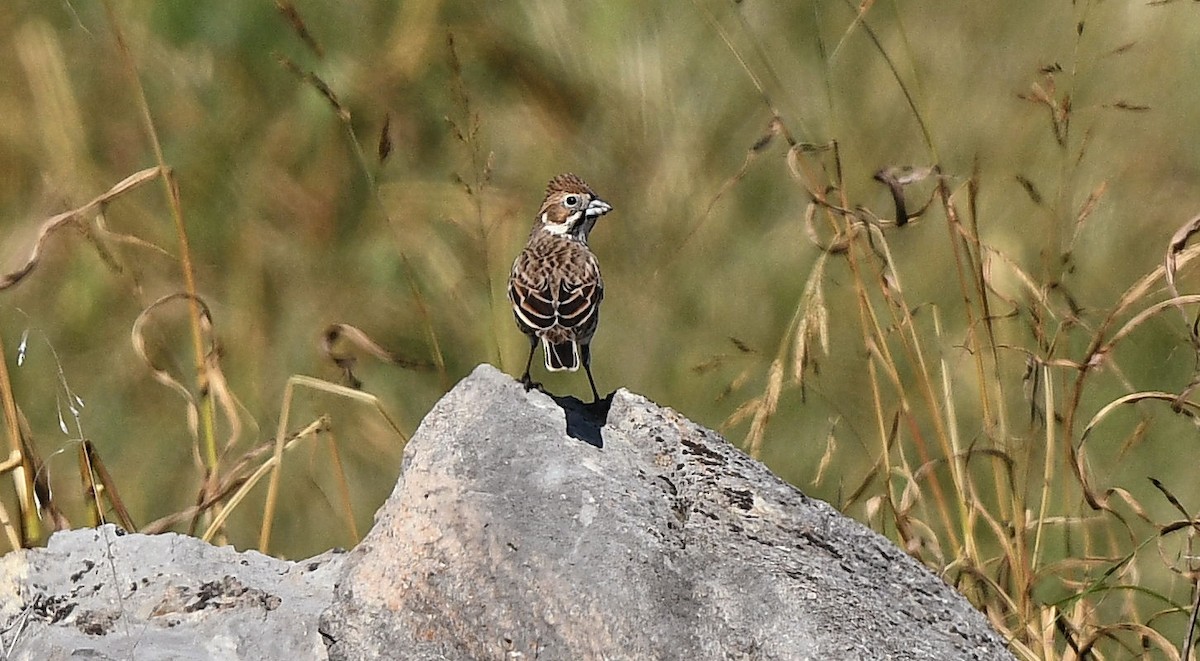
{"x": 586, "y": 354}
{"x": 526, "y": 380}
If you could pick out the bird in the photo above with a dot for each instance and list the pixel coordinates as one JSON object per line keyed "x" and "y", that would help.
{"x": 555, "y": 286}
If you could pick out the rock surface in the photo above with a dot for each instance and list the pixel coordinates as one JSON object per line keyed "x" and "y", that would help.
{"x": 103, "y": 594}
{"x": 523, "y": 528}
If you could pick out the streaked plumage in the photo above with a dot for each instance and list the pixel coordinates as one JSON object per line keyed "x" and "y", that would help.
{"x": 555, "y": 286}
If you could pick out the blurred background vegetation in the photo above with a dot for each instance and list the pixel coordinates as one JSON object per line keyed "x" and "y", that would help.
{"x": 1065, "y": 133}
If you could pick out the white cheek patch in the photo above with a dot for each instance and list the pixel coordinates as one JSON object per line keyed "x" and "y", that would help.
{"x": 557, "y": 228}
{"x": 543, "y": 216}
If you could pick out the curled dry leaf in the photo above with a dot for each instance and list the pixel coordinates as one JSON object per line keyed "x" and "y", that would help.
{"x": 1184, "y": 407}
{"x": 338, "y": 337}
{"x": 840, "y": 242}
{"x": 1176, "y": 246}
{"x": 807, "y": 164}
{"x": 896, "y": 178}
{"x": 212, "y": 378}
{"x": 1141, "y": 317}
{"x": 57, "y": 222}
{"x": 138, "y": 338}
{"x": 219, "y": 388}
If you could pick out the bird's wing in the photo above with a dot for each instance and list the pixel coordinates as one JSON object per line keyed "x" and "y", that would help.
{"x": 578, "y": 302}
{"x": 533, "y": 305}
{"x": 567, "y": 295}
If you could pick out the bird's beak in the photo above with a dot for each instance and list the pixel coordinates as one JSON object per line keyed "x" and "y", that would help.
{"x": 597, "y": 208}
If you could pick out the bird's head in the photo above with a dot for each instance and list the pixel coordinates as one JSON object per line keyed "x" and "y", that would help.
{"x": 571, "y": 207}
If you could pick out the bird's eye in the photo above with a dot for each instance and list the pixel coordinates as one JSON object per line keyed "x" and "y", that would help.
{"x": 571, "y": 201}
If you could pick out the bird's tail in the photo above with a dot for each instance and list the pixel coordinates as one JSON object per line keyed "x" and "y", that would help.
{"x": 561, "y": 356}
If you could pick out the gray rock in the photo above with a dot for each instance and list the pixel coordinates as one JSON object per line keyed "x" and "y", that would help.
{"x": 511, "y": 535}
{"x": 103, "y": 594}
{"x": 522, "y": 527}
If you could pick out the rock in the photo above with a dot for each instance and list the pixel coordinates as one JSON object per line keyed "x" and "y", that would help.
{"x": 103, "y": 594}
{"x": 523, "y": 527}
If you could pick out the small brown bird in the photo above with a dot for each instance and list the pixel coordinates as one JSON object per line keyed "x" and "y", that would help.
{"x": 555, "y": 285}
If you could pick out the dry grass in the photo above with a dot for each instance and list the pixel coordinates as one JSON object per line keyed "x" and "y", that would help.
{"x": 930, "y": 263}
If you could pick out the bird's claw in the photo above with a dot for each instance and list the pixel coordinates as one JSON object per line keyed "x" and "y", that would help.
{"x": 529, "y": 383}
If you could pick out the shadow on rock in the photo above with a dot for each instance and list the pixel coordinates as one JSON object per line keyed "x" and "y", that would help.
{"x": 584, "y": 421}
